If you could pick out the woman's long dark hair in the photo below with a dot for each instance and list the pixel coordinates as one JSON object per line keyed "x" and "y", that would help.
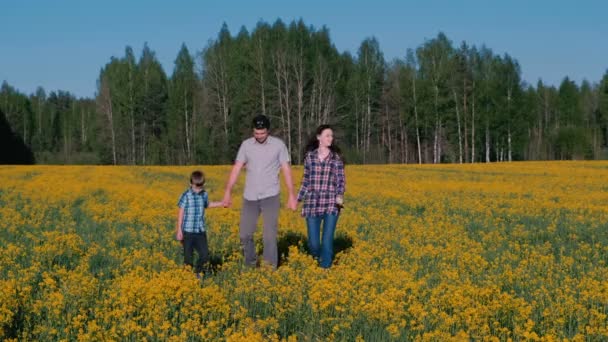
{"x": 313, "y": 142}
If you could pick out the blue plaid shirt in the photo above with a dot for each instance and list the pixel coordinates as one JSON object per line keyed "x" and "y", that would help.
{"x": 194, "y": 205}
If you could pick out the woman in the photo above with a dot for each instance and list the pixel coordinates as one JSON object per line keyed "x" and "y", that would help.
{"x": 322, "y": 191}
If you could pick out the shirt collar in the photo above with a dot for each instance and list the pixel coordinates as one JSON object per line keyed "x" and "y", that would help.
{"x": 255, "y": 141}
{"x": 316, "y": 154}
{"x": 196, "y": 193}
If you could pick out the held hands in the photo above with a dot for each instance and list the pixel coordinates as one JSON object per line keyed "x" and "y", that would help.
{"x": 292, "y": 202}
{"x": 227, "y": 201}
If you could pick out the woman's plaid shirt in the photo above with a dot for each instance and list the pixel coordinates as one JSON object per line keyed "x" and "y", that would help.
{"x": 322, "y": 181}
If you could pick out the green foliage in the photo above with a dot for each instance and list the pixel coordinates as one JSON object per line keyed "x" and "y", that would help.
{"x": 440, "y": 103}
{"x": 572, "y": 143}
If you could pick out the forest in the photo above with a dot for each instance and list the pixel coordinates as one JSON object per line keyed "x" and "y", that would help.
{"x": 442, "y": 102}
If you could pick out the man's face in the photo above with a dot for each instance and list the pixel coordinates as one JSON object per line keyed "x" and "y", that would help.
{"x": 260, "y": 135}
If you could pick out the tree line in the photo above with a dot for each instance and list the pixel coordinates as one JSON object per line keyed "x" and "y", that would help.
{"x": 441, "y": 102}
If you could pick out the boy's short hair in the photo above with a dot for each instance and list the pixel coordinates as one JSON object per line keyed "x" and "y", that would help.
{"x": 197, "y": 177}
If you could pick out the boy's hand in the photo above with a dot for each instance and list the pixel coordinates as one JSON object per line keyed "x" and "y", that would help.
{"x": 179, "y": 236}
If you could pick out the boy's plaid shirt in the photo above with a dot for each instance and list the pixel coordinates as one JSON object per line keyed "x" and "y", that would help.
{"x": 194, "y": 205}
{"x": 322, "y": 181}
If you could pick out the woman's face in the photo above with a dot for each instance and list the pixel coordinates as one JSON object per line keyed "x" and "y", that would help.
{"x": 326, "y": 137}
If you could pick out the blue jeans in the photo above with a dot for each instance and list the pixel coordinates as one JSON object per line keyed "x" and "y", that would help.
{"x": 322, "y": 248}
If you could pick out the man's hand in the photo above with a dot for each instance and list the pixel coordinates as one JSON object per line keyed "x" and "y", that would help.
{"x": 179, "y": 236}
{"x": 227, "y": 201}
{"x": 234, "y": 174}
{"x": 292, "y": 202}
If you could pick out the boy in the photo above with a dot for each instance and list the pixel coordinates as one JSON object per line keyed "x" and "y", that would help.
{"x": 190, "y": 228}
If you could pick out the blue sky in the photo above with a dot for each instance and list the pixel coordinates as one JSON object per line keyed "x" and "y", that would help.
{"x": 63, "y": 44}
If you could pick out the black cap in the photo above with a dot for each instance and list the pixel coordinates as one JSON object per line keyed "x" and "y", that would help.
{"x": 261, "y": 121}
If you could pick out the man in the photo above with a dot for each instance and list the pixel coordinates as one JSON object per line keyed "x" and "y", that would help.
{"x": 263, "y": 156}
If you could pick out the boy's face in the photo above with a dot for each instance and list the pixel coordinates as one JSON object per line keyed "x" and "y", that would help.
{"x": 197, "y": 184}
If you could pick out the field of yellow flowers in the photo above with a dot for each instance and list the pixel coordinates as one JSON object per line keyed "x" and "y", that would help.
{"x": 512, "y": 251}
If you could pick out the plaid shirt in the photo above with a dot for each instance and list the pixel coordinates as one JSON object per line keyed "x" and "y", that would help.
{"x": 322, "y": 182}
{"x": 194, "y": 205}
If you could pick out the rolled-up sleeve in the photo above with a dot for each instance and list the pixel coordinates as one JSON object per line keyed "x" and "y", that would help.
{"x": 340, "y": 177}
{"x": 305, "y": 179}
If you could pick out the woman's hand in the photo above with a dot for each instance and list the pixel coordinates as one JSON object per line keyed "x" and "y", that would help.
{"x": 340, "y": 201}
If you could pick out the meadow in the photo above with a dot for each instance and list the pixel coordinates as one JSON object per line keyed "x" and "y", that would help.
{"x": 485, "y": 252}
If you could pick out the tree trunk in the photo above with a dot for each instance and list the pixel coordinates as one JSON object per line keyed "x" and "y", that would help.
{"x": 193, "y": 126}
{"x": 39, "y": 117}
{"x": 143, "y": 143}
{"x": 405, "y": 147}
{"x": 132, "y": 138}
{"x": 487, "y": 141}
{"x": 224, "y": 102}
{"x": 546, "y": 123}
{"x": 279, "y": 78}
{"x": 416, "y": 118}
{"x": 595, "y": 144}
{"x": 473, "y": 157}
{"x": 509, "y": 125}
{"x": 286, "y": 99}
{"x": 435, "y": 138}
{"x": 83, "y": 137}
{"x": 389, "y": 136}
{"x": 510, "y": 150}
{"x": 439, "y": 142}
{"x": 357, "y": 142}
{"x": 465, "y": 124}
{"x": 25, "y": 127}
{"x": 402, "y": 140}
{"x": 436, "y": 150}
{"x": 539, "y": 144}
{"x": 106, "y": 106}
{"x": 219, "y": 86}
{"x": 132, "y": 113}
{"x": 145, "y": 115}
{"x": 65, "y": 138}
{"x": 187, "y": 125}
{"x": 260, "y": 58}
{"x": 299, "y": 72}
{"x": 459, "y": 131}
{"x": 113, "y": 133}
{"x": 368, "y": 124}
